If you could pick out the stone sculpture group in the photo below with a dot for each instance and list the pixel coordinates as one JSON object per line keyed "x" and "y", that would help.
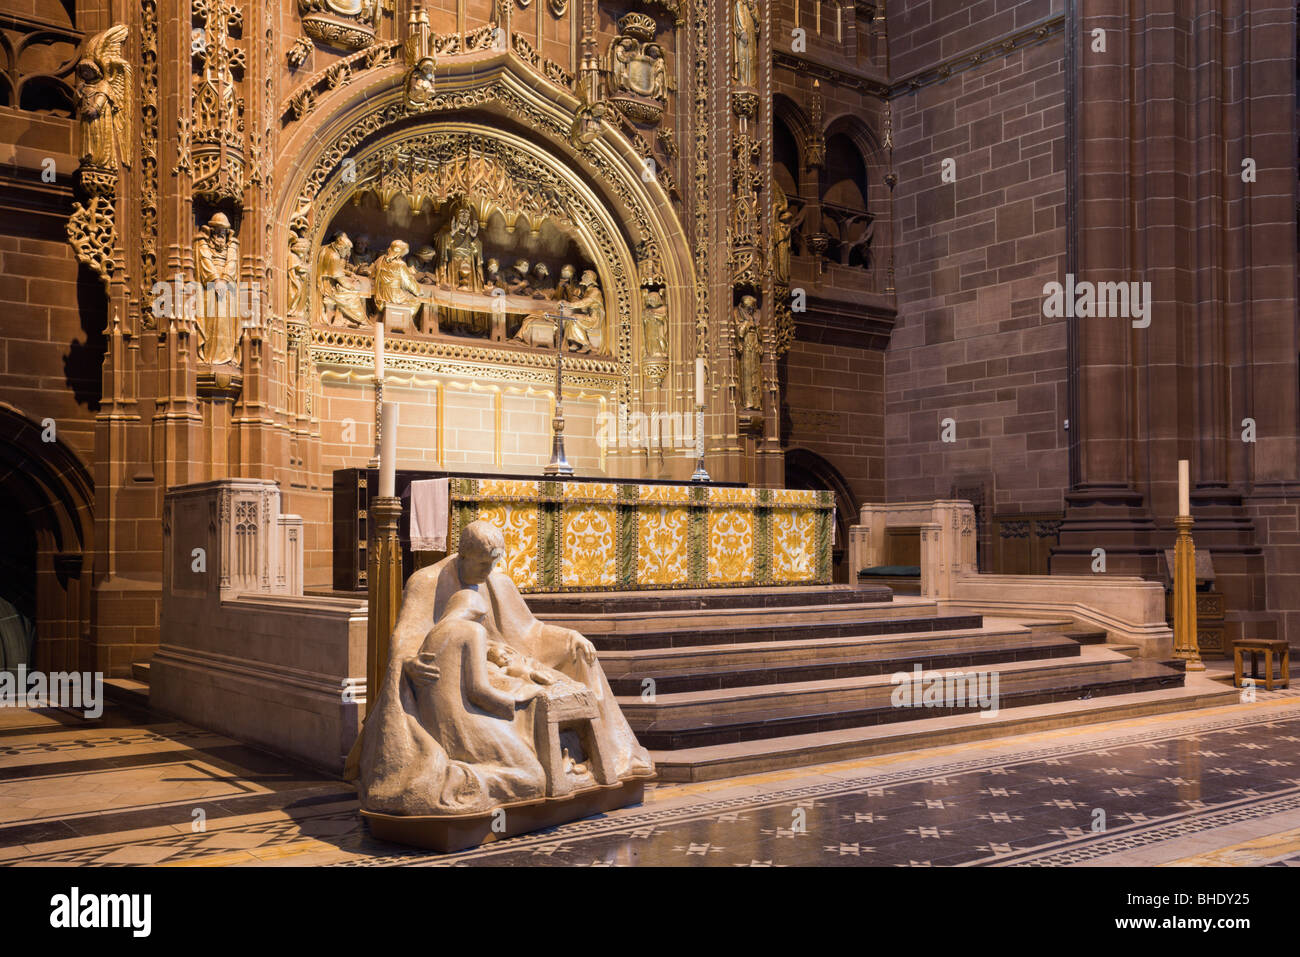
{"x": 484, "y": 706}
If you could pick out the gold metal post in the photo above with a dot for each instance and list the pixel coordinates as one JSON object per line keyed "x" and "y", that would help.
{"x": 1185, "y": 646}
{"x": 384, "y": 581}
{"x": 559, "y": 464}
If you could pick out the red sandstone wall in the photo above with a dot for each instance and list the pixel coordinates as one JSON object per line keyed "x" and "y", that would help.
{"x": 49, "y": 358}
{"x": 924, "y": 32}
{"x": 972, "y": 257}
{"x": 832, "y": 397}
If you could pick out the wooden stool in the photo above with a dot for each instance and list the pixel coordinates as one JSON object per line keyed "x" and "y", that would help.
{"x": 1269, "y": 647}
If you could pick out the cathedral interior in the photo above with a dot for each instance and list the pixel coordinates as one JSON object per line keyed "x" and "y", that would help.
{"x": 765, "y": 349}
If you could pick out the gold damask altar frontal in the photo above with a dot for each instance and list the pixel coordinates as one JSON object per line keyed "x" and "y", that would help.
{"x": 591, "y": 536}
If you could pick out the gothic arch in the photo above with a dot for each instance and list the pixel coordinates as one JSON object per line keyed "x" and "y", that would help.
{"x": 805, "y": 469}
{"x": 796, "y": 121}
{"x": 51, "y": 494}
{"x": 862, "y": 136}
{"x": 499, "y": 94}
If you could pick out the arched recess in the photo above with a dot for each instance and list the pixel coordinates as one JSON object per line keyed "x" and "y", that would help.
{"x": 796, "y": 121}
{"x": 792, "y": 135}
{"x": 50, "y": 495}
{"x": 497, "y": 94}
{"x": 854, "y": 197}
{"x": 805, "y": 469}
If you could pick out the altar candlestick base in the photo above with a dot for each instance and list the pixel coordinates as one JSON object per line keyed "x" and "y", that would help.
{"x": 1185, "y": 646}
{"x": 384, "y": 587}
{"x": 701, "y": 473}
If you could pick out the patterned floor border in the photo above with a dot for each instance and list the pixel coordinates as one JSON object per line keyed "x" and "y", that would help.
{"x": 869, "y": 783}
{"x": 344, "y": 827}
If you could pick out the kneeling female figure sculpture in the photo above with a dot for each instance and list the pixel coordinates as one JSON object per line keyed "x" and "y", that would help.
{"x": 483, "y": 706}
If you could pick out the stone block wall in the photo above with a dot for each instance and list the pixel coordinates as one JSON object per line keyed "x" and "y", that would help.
{"x": 971, "y": 342}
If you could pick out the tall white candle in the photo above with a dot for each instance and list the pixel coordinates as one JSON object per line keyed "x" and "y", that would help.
{"x": 699, "y": 380}
{"x": 388, "y": 451}
{"x": 1184, "y": 489}
{"x": 379, "y": 349}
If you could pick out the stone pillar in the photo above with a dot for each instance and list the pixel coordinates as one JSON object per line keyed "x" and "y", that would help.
{"x": 1165, "y": 121}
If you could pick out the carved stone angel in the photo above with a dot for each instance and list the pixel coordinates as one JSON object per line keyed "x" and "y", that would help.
{"x": 104, "y": 101}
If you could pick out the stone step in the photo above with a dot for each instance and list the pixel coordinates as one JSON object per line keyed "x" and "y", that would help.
{"x": 127, "y": 691}
{"x": 888, "y": 658}
{"x": 675, "y": 638}
{"x": 1086, "y": 637}
{"x": 712, "y": 762}
{"x": 675, "y": 725}
{"x": 702, "y": 599}
{"x": 640, "y": 661}
{"x": 693, "y": 620}
{"x": 140, "y": 671}
{"x": 832, "y": 694}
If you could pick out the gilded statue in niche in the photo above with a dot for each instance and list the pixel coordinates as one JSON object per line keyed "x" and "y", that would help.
{"x": 216, "y": 267}
{"x": 654, "y": 325}
{"x": 339, "y": 293}
{"x": 420, "y": 60}
{"x": 103, "y": 99}
{"x": 460, "y": 252}
{"x": 785, "y": 221}
{"x": 749, "y": 350}
{"x": 745, "y": 70}
{"x": 299, "y": 276}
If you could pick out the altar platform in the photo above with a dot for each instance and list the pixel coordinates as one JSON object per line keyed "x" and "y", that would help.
{"x": 593, "y": 535}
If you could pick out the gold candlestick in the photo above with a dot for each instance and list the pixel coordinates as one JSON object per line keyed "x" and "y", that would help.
{"x": 384, "y": 587}
{"x": 1185, "y": 646}
{"x": 559, "y": 464}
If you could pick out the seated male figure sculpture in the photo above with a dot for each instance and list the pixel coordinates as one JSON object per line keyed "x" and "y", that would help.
{"x": 466, "y": 656}
{"x": 486, "y": 737}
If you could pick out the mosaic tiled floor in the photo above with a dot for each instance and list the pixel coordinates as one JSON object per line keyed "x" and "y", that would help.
{"x": 1208, "y": 788}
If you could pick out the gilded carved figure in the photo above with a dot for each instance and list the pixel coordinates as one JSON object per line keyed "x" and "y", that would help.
{"x": 784, "y": 222}
{"x": 103, "y": 99}
{"x": 394, "y": 280}
{"x": 422, "y": 263}
{"x": 299, "y": 276}
{"x": 750, "y": 352}
{"x": 362, "y": 261}
{"x": 747, "y": 28}
{"x": 216, "y": 267}
{"x": 566, "y": 290}
{"x": 541, "y": 282}
{"x": 458, "y": 244}
{"x": 518, "y": 281}
{"x": 585, "y": 332}
{"x": 340, "y": 297}
{"x": 654, "y": 325}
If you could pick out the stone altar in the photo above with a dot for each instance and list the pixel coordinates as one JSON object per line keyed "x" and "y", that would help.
{"x": 591, "y": 536}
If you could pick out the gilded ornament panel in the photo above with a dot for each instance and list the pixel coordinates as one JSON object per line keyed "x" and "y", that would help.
{"x": 730, "y": 545}
{"x": 518, "y": 523}
{"x": 588, "y": 553}
{"x": 662, "y": 554}
{"x": 794, "y": 544}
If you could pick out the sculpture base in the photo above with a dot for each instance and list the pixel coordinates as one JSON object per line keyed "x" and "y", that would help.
{"x": 456, "y": 832}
